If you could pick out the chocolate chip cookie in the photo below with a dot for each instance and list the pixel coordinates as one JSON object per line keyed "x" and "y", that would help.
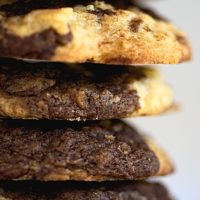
{"x": 93, "y": 32}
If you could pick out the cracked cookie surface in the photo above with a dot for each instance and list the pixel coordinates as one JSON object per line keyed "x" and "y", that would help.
{"x": 80, "y": 92}
{"x": 94, "y": 32}
{"x": 85, "y": 151}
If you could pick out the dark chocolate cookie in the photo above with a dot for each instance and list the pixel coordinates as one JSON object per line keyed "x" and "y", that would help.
{"x": 90, "y": 151}
{"x": 83, "y": 191}
{"x": 64, "y": 92}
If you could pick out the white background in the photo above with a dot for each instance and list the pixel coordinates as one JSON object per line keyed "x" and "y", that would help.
{"x": 179, "y": 133}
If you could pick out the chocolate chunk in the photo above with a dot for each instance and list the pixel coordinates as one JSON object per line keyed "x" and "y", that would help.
{"x": 135, "y": 24}
{"x": 100, "y": 12}
{"x": 40, "y": 45}
{"x": 182, "y": 40}
{"x": 49, "y": 150}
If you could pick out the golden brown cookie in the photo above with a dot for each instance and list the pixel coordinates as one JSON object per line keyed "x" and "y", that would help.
{"x": 83, "y": 191}
{"x": 80, "y": 92}
{"x": 95, "y": 32}
{"x": 84, "y": 151}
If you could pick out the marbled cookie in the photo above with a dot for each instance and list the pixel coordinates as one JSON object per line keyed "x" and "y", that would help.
{"x": 80, "y": 92}
{"x": 83, "y": 191}
{"x": 94, "y": 32}
{"x": 88, "y": 151}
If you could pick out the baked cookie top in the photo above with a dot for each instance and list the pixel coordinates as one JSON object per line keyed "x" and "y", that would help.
{"x": 90, "y": 151}
{"x": 83, "y": 191}
{"x": 93, "y": 32}
{"x": 80, "y": 92}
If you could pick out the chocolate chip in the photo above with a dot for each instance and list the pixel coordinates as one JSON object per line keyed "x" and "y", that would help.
{"x": 135, "y": 24}
{"x": 181, "y": 39}
{"x": 101, "y": 12}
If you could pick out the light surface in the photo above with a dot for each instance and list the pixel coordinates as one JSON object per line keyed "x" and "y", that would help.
{"x": 179, "y": 133}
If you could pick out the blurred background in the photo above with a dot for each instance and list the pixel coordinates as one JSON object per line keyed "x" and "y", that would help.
{"x": 179, "y": 133}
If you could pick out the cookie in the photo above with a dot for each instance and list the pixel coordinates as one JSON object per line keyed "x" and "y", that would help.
{"x": 83, "y": 191}
{"x": 94, "y": 32}
{"x": 84, "y": 151}
{"x": 80, "y": 92}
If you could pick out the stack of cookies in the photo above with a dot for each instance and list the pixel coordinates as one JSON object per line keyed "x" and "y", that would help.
{"x": 69, "y": 71}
